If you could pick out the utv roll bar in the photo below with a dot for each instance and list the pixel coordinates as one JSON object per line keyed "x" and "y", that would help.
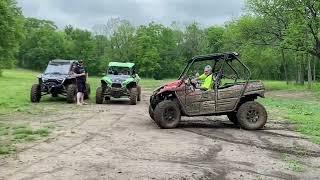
{"x": 228, "y": 56}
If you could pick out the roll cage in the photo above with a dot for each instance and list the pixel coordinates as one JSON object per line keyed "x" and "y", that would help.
{"x": 227, "y": 58}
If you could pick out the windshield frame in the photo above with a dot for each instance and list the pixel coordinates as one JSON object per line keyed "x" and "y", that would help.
{"x": 121, "y": 68}
{"x": 58, "y": 68}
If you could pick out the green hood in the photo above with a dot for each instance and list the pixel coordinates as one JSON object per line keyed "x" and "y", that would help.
{"x": 107, "y": 79}
{"x": 121, "y": 79}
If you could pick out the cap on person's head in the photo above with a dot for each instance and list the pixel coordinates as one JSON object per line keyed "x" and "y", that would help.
{"x": 208, "y": 68}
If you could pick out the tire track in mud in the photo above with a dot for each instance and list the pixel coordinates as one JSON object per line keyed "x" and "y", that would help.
{"x": 210, "y": 169}
{"x": 87, "y": 138}
{"x": 263, "y": 132}
{"x": 219, "y": 124}
{"x": 270, "y": 147}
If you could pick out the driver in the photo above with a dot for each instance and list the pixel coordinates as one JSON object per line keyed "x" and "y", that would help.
{"x": 206, "y": 78}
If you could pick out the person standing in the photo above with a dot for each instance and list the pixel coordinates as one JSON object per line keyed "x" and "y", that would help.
{"x": 81, "y": 77}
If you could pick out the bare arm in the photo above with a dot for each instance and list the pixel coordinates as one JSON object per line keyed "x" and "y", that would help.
{"x": 78, "y": 75}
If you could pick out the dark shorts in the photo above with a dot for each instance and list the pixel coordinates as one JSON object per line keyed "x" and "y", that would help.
{"x": 81, "y": 86}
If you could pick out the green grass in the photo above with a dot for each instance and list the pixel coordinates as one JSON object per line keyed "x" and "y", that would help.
{"x": 304, "y": 112}
{"x": 281, "y": 85}
{"x": 11, "y": 135}
{"x": 16, "y": 84}
{"x": 15, "y": 90}
{"x": 293, "y": 164}
{"x": 15, "y": 97}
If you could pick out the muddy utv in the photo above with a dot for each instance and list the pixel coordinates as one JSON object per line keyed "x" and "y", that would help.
{"x": 120, "y": 81}
{"x": 56, "y": 80}
{"x": 232, "y": 94}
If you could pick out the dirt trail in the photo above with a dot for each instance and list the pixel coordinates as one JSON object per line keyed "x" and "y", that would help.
{"x": 120, "y": 141}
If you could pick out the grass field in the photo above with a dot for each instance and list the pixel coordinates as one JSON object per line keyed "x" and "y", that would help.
{"x": 15, "y": 97}
{"x": 280, "y": 85}
{"x": 16, "y": 84}
{"x": 304, "y": 112}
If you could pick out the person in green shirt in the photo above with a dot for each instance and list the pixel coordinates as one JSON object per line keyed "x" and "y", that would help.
{"x": 207, "y": 79}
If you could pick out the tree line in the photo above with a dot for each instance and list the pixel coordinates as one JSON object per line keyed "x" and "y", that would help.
{"x": 277, "y": 39}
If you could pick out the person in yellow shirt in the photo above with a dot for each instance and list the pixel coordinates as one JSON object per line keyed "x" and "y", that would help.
{"x": 207, "y": 79}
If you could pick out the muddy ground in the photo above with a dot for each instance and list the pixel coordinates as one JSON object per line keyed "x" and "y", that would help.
{"x": 120, "y": 141}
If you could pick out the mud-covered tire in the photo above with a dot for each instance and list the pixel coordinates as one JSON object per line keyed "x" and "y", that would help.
{"x": 107, "y": 100}
{"x": 88, "y": 91}
{"x": 35, "y": 93}
{"x": 151, "y": 112}
{"x": 99, "y": 96}
{"x": 139, "y": 93}
{"x": 133, "y": 96}
{"x": 233, "y": 118}
{"x": 167, "y": 114}
{"x": 252, "y": 115}
{"x": 72, "y": 93}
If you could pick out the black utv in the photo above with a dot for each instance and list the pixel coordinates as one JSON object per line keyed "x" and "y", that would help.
{"x": 56, "y": 80}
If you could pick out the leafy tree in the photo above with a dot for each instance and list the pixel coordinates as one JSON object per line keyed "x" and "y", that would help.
{"x": 41, "y": 45}
{"x": 195, "y": 41}
{"x": 11, "y": 30}
{"x": 214, "y": 35}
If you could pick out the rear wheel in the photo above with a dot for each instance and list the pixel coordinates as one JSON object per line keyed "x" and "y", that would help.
{"x": 88, "y": 91}
{"x": 72, "y": 93}
{"x": 99, "y": 96}
{"x": 167, "y": 114}
{"x": 35, "y": 94}
{"x": 133, "y": 96}
{"x": 252, "y": 115}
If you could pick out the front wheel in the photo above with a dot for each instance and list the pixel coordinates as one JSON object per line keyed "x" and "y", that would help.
{"x": 72, "y": 93}
{"x": 133, "y": 96}
{"x": 88, "y": 91}
{"x": 35, "y": 94}
{"x": 252, "y": 115}
{"x": 139, "y": 93}
{"x": 167, "y": 114}
{"x": 151, "y": 112}
{"x": 99, "y": 96}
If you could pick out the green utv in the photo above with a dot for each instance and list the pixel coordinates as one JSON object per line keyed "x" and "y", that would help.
{"x": 120, "y": 81}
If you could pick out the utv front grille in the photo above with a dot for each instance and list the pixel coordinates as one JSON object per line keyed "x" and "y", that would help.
{"x": 116, "y": 85}
{"x": 50, "y": 84}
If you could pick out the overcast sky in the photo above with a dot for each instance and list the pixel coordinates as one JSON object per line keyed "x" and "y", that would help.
{"x": 87, "y": 13}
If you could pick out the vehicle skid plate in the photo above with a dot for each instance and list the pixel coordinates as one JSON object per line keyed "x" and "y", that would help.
{"x": 116, "y": 92}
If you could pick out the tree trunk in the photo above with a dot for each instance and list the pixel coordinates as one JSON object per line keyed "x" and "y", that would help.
{"x": 297, "y": 68}
{"x": 309, "y": 72}
{"x": 302, "y": 70}
{"x": 314, "y": 69}
{"x": 284, "y": 66}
